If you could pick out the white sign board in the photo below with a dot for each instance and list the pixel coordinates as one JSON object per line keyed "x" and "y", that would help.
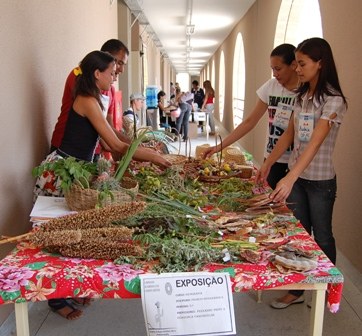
{"x": 188, "y": 304}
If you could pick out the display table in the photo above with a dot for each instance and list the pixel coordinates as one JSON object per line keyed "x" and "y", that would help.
{"x": 205, "y": 118}
{"x": 32, "y": 274}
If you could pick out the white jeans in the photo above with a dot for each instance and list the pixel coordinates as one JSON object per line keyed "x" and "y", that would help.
{"x": 210, "y": 109}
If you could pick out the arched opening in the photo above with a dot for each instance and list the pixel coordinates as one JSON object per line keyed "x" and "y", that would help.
{"x": 292, "y": 18}
{"x": 238, "y": 81}
{"x": 213, "y": 74}
{"x": 221, "y": 85}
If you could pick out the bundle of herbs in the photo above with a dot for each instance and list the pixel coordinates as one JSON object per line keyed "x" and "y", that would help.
{"x": 176, "y": 255}
{"x": 77, "y": 175}
{"x": 167, "y": 218}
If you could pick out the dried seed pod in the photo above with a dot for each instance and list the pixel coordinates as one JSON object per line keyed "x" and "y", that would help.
{"x": 100, "y": 250}
{"x": 55, "y": 238}
{"x": 94, "y": 218}
{"x": 111, "y": 233}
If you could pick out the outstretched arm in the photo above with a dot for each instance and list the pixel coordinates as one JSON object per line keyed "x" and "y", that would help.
{"x": 244, "y": 128}
{"x": 90, "y": 108}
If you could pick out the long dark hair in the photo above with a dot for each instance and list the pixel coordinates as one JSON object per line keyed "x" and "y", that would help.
{"x": 286, "y": 52}
{"x": 160, "y": 94}
{"x": 318, "y": 49}
{"x": 86, "y": 82}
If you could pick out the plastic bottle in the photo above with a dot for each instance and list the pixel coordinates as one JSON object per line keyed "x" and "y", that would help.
{"x": 151, "y": 96}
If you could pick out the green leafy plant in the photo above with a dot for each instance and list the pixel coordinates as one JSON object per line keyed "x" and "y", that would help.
{"x": 69, "y": 170}
{"x": 126, "y": 159}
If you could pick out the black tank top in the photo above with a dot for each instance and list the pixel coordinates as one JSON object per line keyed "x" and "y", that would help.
{"x": 80, "y": 138}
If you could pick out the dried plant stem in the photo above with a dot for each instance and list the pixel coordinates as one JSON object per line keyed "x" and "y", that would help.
{"x": 14, "y": 239}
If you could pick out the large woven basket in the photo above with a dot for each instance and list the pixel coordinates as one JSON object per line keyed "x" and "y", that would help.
{"x": 192, "y": 167}
{"x": 176, "y": 159}
{"x": 79, "y": 198}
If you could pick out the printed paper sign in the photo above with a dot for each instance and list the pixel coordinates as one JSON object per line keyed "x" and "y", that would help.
{"x": 188, "y": 304}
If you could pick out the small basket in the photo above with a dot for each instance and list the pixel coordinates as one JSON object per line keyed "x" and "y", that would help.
{"x": 234, "y": 155}
{"x": 79, "y": 198}
{"x": 129, "y": 191}
{"x": 199, "y": 151}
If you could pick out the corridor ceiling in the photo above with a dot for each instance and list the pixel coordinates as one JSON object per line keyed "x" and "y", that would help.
{"x": 188, "y": 32}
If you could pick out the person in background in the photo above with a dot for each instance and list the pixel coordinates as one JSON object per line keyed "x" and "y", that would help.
{"x": 172, "y": 91}
{"x": 120, "y": 53}
{"x": 85, "y": 124}
{"x": 130, "y": 117}
{"x": 163, "y": 109}
{"x": 208, "y": 104}
{"x": 310, "y": 185}
{"x": 131, "y": 125}
{"x": 199, "y": 94}
{"x": 183, "y": 101}
{"x": 275, "y": 97}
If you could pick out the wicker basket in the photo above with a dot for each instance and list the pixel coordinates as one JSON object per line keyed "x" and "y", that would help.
{"x": 129, "y": 191}
{"x": 213, "y": 179}
{"x": 192, "y": 167}
{"x": 176, "y": 159}
{"x": 234, "y": 155}
{"x": 199, "y": 151}
{"x": 79, "y": 198}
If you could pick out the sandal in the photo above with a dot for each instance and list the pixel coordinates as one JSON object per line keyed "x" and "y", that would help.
{"x": 64, "y": 309}
{"x": 81, "y": 301}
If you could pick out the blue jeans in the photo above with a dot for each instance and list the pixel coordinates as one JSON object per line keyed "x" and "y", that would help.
{"x": 312, "y": 204}
{"x": 183, "y": 120}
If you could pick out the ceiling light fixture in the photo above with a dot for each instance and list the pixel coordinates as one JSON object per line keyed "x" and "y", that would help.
{"x": 190, "y": 29}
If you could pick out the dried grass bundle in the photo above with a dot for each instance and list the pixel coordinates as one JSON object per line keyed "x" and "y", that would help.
{"x": 109, "y": 233}
{"x": 94, "y": 218}
{"x": 69, "y": 237}
{"x": 56, "y": 238}
{"x": 93, "y": 248}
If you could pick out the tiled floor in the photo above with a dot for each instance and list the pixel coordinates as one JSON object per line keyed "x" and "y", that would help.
{"x": 125, "y": 318}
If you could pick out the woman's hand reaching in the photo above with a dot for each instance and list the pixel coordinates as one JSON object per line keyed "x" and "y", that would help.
{"x": 209, "y": 152}
{"x": 262, "y": 174}
{"x": 282, "y": 189}
{"x": 160, "y": 161}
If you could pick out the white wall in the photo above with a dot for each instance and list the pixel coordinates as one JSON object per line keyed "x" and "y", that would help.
{"x": 41, "y": 41}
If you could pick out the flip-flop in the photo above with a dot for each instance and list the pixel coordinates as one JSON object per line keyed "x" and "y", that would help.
{"x": 57, "y": 305}
{"x": 81, "y": 301}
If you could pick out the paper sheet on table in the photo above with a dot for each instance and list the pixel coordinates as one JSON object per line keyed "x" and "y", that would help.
{"x": 199, "y": 303}
{"x": 50, "y": 207}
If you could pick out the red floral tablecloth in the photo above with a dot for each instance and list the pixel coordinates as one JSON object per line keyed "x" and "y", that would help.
{"x": 32, "y": 274}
